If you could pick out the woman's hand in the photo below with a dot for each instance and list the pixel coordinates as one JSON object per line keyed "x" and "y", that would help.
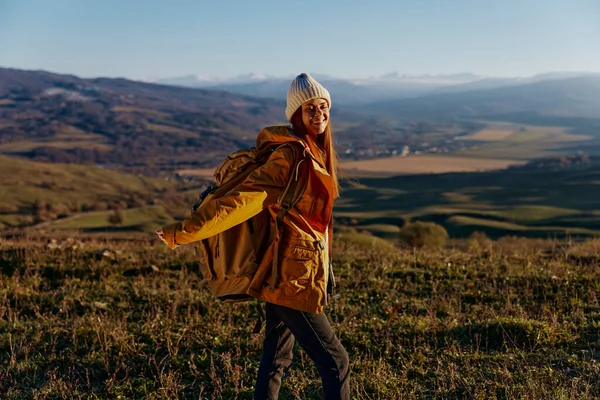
{"x": 161, "y": 236}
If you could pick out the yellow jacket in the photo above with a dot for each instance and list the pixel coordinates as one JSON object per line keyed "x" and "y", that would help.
{"x": 304, "y": 271}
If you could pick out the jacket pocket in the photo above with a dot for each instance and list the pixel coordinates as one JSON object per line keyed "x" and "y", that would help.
{"x": 299, "y": 261}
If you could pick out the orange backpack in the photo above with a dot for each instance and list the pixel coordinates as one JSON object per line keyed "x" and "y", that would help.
{"x": 229, "y": 260}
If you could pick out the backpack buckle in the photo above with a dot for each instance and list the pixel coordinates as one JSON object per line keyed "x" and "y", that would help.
{"x": 203, "y": 195}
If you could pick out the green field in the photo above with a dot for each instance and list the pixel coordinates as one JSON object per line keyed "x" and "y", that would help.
{"x": 66, "y": 137}
{"x": 134, "y": 320}
{"x": 516, "y": 201}
{"x": 146, "y": 219}
{"x": 23, "y": 181}
{"x": 539, "y": 203}
{"x": 80, "y": 198}
{"x": 505, "y": 140}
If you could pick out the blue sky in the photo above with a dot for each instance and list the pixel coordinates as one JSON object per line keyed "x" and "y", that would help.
{"x": 143, "y": 39}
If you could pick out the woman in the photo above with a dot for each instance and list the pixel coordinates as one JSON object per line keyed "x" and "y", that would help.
{"x": 295, "y": 303}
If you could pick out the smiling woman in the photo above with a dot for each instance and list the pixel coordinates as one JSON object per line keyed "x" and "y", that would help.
{"x": 315, "y": 116}
{"x": 292, "y": 271}
{"x": 311, "y": 121}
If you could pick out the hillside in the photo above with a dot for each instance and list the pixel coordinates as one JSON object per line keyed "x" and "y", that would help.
{"x": 545, "y": 198}
{"x": 51, "y": 117}
{"x": 576, "y": 98}
{"x": 62, "y": 118}
{"x": 33, "y": 192}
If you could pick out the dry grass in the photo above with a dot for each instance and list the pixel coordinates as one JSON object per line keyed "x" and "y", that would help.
{"x": 64, "y": 186}
{"x": 568, "y": 137}
{"x": 202, "y": 172}
{"x": 520, "y": 134}
{"x": 171, "y": 129}
{"x": 490, "y": 135}
{"x": 25, "y": 145}
{"x": 546, "y": 135}
{"x": 105, "y": 320}
{"x": 423, "y": 164}
{"x": 391, "y": 166}
{"x": 524, "y": 142}
{"x": 71, "y": 133}
{"x": 147, "y": 111}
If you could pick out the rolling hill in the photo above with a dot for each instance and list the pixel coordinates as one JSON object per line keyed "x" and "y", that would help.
{"x": 62, "y": 118}
{"x": 545, "y": 198}
{"x": 52, "y": 117}
{"x": 34, "y": 192}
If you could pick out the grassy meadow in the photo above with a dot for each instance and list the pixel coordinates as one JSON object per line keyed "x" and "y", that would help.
{"x": 497, "y": 146}
{"x": 536, "y": 203}
{"x": 67, "y": 137}
{"x": 57, "y": 197}
{"x": 546, "y": 202}
{"x": 504, "y": 140}
{"x": 513, "y": 318}
{"x": 423, "y": 164}
{"x": 94, "y": 306}
{"x": 143, "y": 219}
{"x": 25, "y": 181}
{"x": 95, "y": 310}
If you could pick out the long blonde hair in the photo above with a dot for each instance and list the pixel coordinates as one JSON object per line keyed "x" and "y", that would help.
{"x": 323, "y": 146}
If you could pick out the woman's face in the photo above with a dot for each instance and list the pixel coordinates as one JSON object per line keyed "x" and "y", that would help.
{"x": 315, "y": 116}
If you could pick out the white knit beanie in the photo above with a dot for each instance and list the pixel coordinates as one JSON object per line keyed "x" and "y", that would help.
{"x": 302, "y": 89}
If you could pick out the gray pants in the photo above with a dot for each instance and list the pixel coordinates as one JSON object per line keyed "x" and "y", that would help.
{"x": 314, "y": 334}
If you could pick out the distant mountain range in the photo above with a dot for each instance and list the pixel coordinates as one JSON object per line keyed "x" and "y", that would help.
{"x": 562, "y": 101}
{"x": 63, "y": 118}
{"x": 345, "y": 91}
{"x": 211, "y": 81}
{"x": 52, "y": 117}
{"x": 391, "y": 86}
{"x": 493, "y": 83}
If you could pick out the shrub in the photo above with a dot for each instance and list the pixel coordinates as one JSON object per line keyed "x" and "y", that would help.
{"x": 117, "y": 217}
{"x": 479, "y": 241}
{"x": 419, "y": 234}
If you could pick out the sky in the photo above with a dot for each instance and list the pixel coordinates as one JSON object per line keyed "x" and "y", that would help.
{"x": 346, "y": 38}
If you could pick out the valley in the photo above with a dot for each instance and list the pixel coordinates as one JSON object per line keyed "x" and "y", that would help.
{"x": 463, "y": 256}
{"x": 75, "y": 151}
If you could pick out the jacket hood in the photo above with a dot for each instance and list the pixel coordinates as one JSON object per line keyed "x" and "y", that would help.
{"x": 272, "y": 135}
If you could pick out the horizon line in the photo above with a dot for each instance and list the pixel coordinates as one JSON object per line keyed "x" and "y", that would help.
{"x": 151, "y": 79}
